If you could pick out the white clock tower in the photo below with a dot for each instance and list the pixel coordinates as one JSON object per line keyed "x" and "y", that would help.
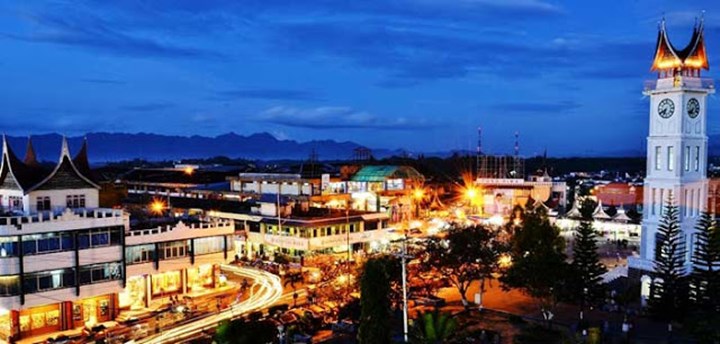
{"x": 676, "y": 144}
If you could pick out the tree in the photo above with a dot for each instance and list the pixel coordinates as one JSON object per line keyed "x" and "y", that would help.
{"x": 705, "y": 276}
{"x": 539, "y": 268}
{"x": 465, "y": 255}
{"x": 586, "y": 267}
{"x": 375, "y": 302}
{"x": 245, "y": 332}
{"x": 668, "y": 291}
{"x": 433, "y": 328}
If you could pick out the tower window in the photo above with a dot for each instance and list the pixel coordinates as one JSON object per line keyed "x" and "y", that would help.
{"x": 670, "y": 158}
{"x": 687, "y": 158}
{"x": 653, "y": 201}
{"x": 697, "y": 158}
{"x": 658, "y": 157}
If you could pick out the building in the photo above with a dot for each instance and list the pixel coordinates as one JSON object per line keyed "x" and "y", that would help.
{"x": 676, "y": 145}
{"x": 62, "y": 255}
{"x": 500, "y": 195}
{"x": 619, "y": 194}
{"x": 66, "y": 263}
{"x": 280, "y": 225}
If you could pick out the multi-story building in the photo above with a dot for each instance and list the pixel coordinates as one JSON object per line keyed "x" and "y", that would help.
{"x": 676, "y": 146}
{"x": 64, "y": 259}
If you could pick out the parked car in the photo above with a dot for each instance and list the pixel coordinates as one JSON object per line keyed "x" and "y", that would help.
{"x": 343, "y": 326}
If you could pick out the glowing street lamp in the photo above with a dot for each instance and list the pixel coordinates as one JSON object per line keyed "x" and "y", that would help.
{"x": 188, "y": 170}
{"x": 157, "y": 206}
{"x": 418, "y": 195}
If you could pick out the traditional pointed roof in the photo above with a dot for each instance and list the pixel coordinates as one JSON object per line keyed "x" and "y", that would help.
{"x": 621, "y": 215}
{"x": 693, "y": 56}
{"x": 65, "y": 175}
{"x": 16, "y": 175}
{"x": 30, "y": 156}
{"x": 574, "y": 212}
{"x": 82, "y": 163}
{"x": 599, "y": 213}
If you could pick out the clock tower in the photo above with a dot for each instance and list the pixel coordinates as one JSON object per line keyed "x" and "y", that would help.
{"x": 676, "y": 144}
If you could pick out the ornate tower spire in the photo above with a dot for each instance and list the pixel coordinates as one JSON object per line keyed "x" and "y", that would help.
{"x": 30, "y": 156}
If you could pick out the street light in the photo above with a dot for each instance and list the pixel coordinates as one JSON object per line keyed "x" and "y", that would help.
{"x": 157, "y": 206}
{"x": 404, "y": 257}
{"x": 418, "y": 195}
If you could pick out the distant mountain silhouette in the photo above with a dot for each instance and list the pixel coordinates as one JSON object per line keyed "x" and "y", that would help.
{"x": 119, "y": 146}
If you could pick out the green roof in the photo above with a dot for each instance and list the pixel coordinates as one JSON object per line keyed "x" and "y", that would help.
{"x": 385, "y": 172}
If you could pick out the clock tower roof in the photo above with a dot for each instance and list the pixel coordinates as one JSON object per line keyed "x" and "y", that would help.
{"x": 693, "y": 56}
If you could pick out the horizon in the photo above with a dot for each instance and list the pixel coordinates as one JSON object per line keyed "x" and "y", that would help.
{"x": 421, "y": 77}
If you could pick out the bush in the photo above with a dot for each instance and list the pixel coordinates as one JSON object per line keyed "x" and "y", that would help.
{"x": 516, "y": 319}
{"x": 538, "y": 334}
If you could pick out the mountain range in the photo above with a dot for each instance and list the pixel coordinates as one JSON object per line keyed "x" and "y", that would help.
{"x": 104, "y": 147}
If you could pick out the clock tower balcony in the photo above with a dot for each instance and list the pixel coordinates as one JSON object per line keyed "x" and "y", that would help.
{"x": 679, "y": 83}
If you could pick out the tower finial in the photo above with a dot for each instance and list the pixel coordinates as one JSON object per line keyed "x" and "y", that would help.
{"x": 64, "y": 150}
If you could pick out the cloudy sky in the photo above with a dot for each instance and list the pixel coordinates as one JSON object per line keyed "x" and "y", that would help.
{"x": 414, "y": 74}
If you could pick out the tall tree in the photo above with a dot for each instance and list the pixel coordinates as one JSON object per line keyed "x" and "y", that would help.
{"x": 465, "y": 255}
{"x": 668, "y": 292}
{"x": 433, "y": 328}
{"x": 539, "y": 268}
{"x": 586, "y": 267}
{"x": 375, "y": 303}
{"x": 705, "y": 276}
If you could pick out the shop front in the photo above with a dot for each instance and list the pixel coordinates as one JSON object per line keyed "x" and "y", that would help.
{"x": 166, "y": 284}
{"x": 202, "y": 277}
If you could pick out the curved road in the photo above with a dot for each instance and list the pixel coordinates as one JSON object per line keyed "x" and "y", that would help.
{"x": 267, "y": 289}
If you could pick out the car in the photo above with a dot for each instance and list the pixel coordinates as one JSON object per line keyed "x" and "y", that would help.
{"x": 289, "y": 318}
{"x": 343, "y": 326}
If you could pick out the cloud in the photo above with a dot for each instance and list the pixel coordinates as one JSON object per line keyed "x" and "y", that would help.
{"x": 149, "y": 107}
{"x": 89, "y": 31}
{"x": 337, "y": 117}
{"x": 538, "y": 107}
{"x": 267, "y": 94}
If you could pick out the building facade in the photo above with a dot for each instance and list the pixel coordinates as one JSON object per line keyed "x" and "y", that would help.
{"x": 66, "y": 263}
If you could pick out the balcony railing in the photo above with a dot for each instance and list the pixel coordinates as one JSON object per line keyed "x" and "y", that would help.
{"x": 52, "y": 215}
{"x": 686, "y": 82}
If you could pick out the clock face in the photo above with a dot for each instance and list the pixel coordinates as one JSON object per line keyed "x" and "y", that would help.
{"x": 666, "y": 108}
{"x": 693, "y": 107}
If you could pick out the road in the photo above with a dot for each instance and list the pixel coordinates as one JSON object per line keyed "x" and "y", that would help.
{"x": 266, "y": 288}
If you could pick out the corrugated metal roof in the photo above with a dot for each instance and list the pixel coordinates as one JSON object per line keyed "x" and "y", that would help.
{"x": 385, "y": 172}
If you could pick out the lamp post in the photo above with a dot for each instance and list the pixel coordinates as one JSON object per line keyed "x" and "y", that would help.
{"x": 418, "y": 195}
{"x": 403, "y": 264}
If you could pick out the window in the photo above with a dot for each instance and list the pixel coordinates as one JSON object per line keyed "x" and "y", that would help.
{"x": 209, "y": 245}
{"x": 100, "y": 237}
{"x": 47, "y": 243}
{"x": 97, "y": 273}
{"x": 75, "y": 201}
{"x": 687, "y": 158}
{"x": 692, "y": 200}
{"x": 174, "y": 249}
{"x": 658, "y": 157}
{"x": 8, "y": 247}
{"x": 43, "y": 203}
{"x": 48, "y": 280}
{"x": 9, "y": 285}
{"x": 15, "y": 203}
{"x": 670, "y": 158}
{"x": 662, "y": 201}
{"x": 140, "y": 254}
{"x": 697, "y": 158}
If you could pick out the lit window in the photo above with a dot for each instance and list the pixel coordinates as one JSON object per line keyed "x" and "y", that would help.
{"x": 671, "y": 158}
{"x": 697, "y": 158}
{"x": 687, "y": 158}
{"x": 658, "y": 157}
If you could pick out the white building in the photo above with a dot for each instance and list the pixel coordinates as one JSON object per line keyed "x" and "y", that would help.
{"x": 676, "y": 145}
{"x": 63, "y": 259}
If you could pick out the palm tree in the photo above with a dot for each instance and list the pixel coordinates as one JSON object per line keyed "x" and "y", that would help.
{"x": 292, "y": 279}
{"x": 433, "y": 328}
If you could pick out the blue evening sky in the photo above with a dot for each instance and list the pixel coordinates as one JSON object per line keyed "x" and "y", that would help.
{"x": 414, "y": 74}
